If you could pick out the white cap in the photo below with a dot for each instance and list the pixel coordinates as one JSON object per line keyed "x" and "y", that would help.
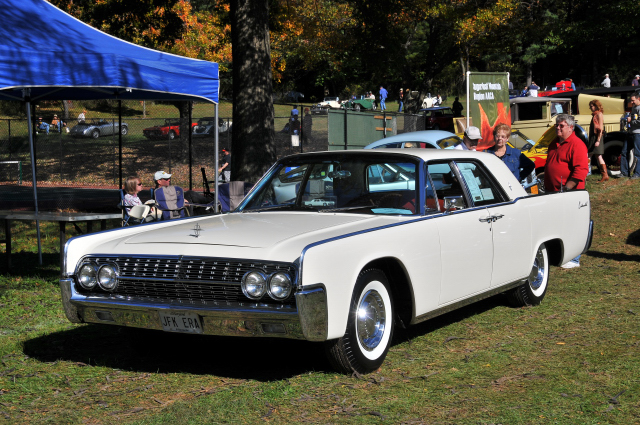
{"x": 473, "y": 133}
{"x": 637, "y": 76}
{"x": 161, "y": 175}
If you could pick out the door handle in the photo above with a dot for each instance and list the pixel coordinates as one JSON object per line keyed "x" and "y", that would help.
{"x": 497, "y": 217}
{"x": 486, "y": 219}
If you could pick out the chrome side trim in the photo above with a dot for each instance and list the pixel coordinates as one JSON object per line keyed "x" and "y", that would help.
{"x": 313, "y": 312}
{"x": 454, "y": 306}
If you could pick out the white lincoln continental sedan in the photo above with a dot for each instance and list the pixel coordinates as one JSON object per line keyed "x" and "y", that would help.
{"x": 338, "y": 247}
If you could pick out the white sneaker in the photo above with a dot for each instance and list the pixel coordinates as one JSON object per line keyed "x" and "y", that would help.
{"x": 570, "y": 265}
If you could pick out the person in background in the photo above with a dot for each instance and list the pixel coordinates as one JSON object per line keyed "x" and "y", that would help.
{"x": 438, "y": 100}
{"x": 606, "y": 82}
{"x": 634, "y": 128}
{"x": 567, "y": 164}
{"x": 472, "y": 137}
{"x": 513, "y": 158}
{"x": 533, "y": 89}
{"x": 383, "y": 97}
{"x": 42, "y": 125}
{"x": 524, "y": 91}
{"x": 132, "y": 186}
{"x": 573, "y": 86}
{"x": 294, "y": 112}
{"x": 635, "y": 81}
{"x": 225, "y": 166}
{"x": 82, "y": 116}
{"x": 400, "y": 99}
{"x": 457, "y": 108}
{"x": 307, "y": 125}
{"x": 596, "y": 137}
{"x": 55, "y": 121}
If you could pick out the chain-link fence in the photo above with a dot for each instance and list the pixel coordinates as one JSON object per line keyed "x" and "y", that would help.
{"x": 79, "y": 170}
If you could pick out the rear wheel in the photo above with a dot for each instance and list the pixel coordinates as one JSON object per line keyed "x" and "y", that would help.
{"x": 95, "y": 134}
{"x": 533, "y": 290}
{"x": 124, "y": 130}
{"x": 356, "y": 107}
{"x": 364, "y": 346}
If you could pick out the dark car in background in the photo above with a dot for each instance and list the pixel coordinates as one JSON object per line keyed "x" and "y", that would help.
{"x": 169, "y": 130}
{"x": 438, "y": 118}
{"x": 98, "y": 127}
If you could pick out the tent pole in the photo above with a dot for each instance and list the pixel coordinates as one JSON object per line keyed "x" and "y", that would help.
{"x": 120, "y": 142}
{"x": 26, "y": 94}
{"x": 215, "y": 150}
{"x": 190, "y": 146}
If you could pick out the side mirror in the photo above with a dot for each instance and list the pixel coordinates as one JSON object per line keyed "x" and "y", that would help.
{"x": 452, "y": 203}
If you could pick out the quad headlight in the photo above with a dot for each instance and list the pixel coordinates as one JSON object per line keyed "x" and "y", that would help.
{"x": 87, "y": 276}
{"x": 108, "y": 277}
{"x": 255, "y": 284}
{"x": 280, "y": 286}
{"x": 105, "y": 276}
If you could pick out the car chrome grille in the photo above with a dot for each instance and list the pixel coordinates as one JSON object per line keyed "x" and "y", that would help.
{"x": 185, "y": 279}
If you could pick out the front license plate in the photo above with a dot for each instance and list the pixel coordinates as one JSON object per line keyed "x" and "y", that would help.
{"x": 181, "y": 322}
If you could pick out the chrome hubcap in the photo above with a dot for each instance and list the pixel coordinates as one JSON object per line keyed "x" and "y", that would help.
{"x": 371, "y": 320}
{"x": 537, "y": 271}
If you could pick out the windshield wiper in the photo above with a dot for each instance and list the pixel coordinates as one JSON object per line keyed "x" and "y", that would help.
{"x": 270, "y": 207}
{"x": 347, "y": 208}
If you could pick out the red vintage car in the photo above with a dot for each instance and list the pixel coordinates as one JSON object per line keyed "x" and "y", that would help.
{"x": 170, "y": 130}
{"x": 560, "y": 87}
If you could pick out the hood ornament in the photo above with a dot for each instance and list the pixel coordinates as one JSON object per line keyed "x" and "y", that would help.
{"x": 196, "y": 230}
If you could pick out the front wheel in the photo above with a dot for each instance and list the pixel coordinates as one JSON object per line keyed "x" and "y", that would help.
{"x": 124, "y": 130}
{"x": 534, "y": 288}
{"x": 95, "y": 134}
{"x": 172, "y": 135}
{"x": 366, "y": 342}
{"x": 356, "y": 107}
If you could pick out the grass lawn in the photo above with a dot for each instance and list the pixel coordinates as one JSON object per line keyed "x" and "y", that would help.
{"x": 575, "y": 359}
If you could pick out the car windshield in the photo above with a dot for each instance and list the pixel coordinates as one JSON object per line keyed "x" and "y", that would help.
{"x": 327, "y": 184}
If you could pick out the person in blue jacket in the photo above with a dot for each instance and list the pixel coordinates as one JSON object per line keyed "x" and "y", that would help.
{"x": 516, "y": 161}
{"x": 383, "y": 97}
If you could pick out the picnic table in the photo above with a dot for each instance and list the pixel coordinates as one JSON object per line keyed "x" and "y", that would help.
{"x": 61, "y": 217}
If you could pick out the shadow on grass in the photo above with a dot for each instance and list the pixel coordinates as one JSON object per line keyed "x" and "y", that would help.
{"x": 403, "y": 335}
{"x": 616, "y": 256}
{"x": 25, "y": 265}
{"x": 634, "y": 238}
{"x": 261, "y": 359}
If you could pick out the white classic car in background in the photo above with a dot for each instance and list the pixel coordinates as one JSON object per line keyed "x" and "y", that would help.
{"x": 337, "y": 247}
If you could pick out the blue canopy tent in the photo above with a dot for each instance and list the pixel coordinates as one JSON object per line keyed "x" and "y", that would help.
{"x": 46, "y": 54}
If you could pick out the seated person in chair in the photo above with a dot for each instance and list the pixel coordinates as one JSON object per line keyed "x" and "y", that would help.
{"x": 170, "y": 199}
{"x": 132, "y": 186}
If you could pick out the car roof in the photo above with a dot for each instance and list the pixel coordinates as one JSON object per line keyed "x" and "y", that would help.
{"x": 428, "y": 136}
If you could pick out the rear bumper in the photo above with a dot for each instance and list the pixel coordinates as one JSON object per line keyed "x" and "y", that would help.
{"x": 308, "y": 321}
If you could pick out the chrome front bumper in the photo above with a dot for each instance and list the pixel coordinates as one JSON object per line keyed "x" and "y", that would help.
{"x": 309, "y": 321}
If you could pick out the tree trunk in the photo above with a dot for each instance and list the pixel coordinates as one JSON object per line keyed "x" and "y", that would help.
{"x": 185, "y": 128}
{"x": 253, "y": 138}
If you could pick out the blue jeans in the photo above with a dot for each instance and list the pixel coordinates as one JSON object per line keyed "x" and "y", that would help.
{"x": 400, "y": 107}
{"x": 44, "y": 126}
{"x": 382, "y": 105}
{"x": 624, "y": 161}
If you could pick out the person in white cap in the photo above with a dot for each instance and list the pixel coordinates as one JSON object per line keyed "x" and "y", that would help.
{"x": 470, "y": 140}
{"x": 162, "y": 179}
{"x": 606, "y": 82}
{"x": 635, "y": 81}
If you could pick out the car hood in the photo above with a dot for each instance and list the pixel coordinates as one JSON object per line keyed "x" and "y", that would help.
{"x": 266, "y": 235}
{"x": 250, "y": 230}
